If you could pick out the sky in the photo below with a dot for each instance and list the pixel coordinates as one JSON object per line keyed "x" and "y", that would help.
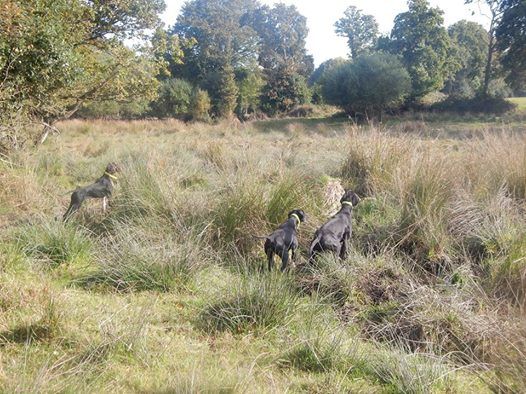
{"x": 322, "y": 41}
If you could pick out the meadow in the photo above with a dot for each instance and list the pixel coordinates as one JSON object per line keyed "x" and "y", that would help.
{"x": 164, "y": 293}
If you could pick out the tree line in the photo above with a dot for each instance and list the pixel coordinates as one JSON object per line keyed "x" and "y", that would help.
{"x": 226, "y": 58}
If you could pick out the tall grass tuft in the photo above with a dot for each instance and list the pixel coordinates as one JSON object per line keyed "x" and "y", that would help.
{"x": 258, "y": 304}
{"x": 426, "y": 189}
{"x": 133, "y": 260}
{"x": 143, "y": 192}
{"x": 55, "y": 243}
{"x": 239, "y": 215}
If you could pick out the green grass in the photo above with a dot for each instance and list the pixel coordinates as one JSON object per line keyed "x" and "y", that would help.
{"x": 520, "y": 101}
{"x": 165, "y": 293}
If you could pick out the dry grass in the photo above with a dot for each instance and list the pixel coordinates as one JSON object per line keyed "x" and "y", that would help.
{"x": 431, "y": 299}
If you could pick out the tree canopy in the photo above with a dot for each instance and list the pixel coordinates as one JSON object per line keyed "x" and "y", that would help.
{"x": 56, "y": 55}
{"x": 420, "y": 38}
{"x": 469, "y": 43}
{"x": 511, "y": 37}
{"x": 369, "y": 85}
{"x": 360, "y": 30}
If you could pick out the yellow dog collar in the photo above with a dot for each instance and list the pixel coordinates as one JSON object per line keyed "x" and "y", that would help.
{"x": 347, "y": 203}
{"x": 111, "y": 176}
{"x": 296, "y": 217}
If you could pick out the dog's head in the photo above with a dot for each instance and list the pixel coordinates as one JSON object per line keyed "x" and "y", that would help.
{"x": 112, "y": 168}
{"x": 351, "y": 197}
{"x": 298, "y": 213}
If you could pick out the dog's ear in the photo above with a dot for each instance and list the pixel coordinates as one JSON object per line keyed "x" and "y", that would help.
{"x": 355, "y": 199}
{"x": 302, "y": 215}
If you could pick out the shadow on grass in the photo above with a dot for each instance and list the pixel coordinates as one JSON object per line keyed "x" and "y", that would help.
{"x": 27, "y": 333}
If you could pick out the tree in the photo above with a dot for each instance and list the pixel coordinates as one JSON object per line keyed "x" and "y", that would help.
{"x": 360, "y": 30}
{"x": 511, "y": 39}
{"x": 222, "y": 45}
{"x": 420, "y": 38}
{"x": 250, "y": 88}
{"x": 200, "y": 105}
{"x": 284, "y": 90}
{"x": 495, "y": 18}
{"x": 317, "y": 78}
{"x": 227, "y": 91}
{"x": 56, "y": 55}
{"x": 469, "y": 42}
{"x": 318, "y": 75}
{"x": 369, "y": 85}
{"x": 282, "y": 32}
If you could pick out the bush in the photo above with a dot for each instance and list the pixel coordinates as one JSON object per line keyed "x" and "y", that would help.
{"x": 284, "y": 90}
{"x": 114, "y": 109}
{"x": 200, "y": 105}
{"x": 369, "y": 85}
{"x": 250, "y": 86}
{"x": 174, "y": 98}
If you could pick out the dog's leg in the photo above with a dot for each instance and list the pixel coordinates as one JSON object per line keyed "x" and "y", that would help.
{"x": 74, "y": 207}
{"x": 104, "y": 204}
{"x": 270, "y": 256}
{"x": 344, "y": 251}
{"x": 77, "y": 198}
{"x": 284, "y": 260}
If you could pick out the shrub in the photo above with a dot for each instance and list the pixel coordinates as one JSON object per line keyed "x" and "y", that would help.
{"x": 369, "y": 85}
{"x": 200, "y": 105}
{"x": 284, "y": 90}
{"x": 174, "y": 98}
{"x": 250, "y": 86}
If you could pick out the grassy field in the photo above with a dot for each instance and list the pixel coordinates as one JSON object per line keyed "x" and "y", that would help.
{"x": 520, "y": 101}
{"x": 164, "y": 293}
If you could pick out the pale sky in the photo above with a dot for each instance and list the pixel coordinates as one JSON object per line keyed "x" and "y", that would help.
{"x": 324, "y": 44}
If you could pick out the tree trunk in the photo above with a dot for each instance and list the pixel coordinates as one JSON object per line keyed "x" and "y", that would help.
{"x": 489, "y": 60}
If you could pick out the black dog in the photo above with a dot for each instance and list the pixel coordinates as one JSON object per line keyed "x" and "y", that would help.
{"x": 334, "y": 235}
{"x": 101, "y": 188}
{"x": 284, "y": 239}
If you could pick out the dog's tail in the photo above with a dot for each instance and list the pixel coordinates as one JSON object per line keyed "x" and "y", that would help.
{"x": 313, "y": 244}
{"x": 259, "y": 237}
{"x": 71, "y": 191}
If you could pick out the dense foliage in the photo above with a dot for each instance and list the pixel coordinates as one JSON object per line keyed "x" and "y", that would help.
{"x": 511, "y": 35}
{"x": 236, "y": 57}
{"x": 469, "y": 42}
{"x": 360, "y": 30}
{"x": 367, "y": 86}
{"x": 56, "y": 55}
{"x": 420, "y": 38}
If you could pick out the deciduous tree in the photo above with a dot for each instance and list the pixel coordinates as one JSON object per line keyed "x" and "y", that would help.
{"x": 511, "y": 39}
{"x": 420, "y": 38}
{"x": 361, "y": 30}
{"x": 469, "y": 42}
{"x": 56, "y": 55}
